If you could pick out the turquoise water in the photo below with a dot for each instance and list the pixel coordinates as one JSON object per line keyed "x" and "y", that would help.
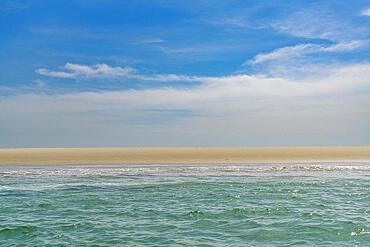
{"x": 208, "y": 205}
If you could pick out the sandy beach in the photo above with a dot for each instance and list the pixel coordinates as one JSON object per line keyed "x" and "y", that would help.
{"x": 55, "y": 156}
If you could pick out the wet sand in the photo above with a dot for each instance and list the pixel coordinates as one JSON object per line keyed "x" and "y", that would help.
{"x": 55, "y": 156}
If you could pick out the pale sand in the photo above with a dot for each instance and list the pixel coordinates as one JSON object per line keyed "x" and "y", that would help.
{"x": 50, "y": 156}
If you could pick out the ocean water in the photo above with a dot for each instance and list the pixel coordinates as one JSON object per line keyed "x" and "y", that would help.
{"x": 186, "y": 205}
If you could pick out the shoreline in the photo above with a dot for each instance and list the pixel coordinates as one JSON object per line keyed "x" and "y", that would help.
{"x": 180, "y": 155}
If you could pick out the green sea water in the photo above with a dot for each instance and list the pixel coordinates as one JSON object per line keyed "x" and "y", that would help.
{"x": 182, "y": 205}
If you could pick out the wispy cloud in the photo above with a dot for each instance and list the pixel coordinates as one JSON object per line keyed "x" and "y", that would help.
{"x": 318, "y": 24}
{"x": 202, "y": 50}
{"x": 59, "y": 74}
{"x": 345, "y": 46}
{"x": 284, "y": 52}
{"x": 104, "y": 70}
{"x": 78, "y": 70}
{"x": 366, "y": 12}
{"x": 39, "y": 82}
{"x": 168, "y": 77}
{"x": 238, "y": 22}
{"x": 305, "y": 49}
{"x": 99, "y": 69}
{"x": 152, "y": 41}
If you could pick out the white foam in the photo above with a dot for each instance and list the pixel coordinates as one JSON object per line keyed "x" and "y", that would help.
{"x": 238, "y": 169}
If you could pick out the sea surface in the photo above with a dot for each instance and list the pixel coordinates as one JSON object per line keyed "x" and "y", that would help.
{"x": 321, "y": 204}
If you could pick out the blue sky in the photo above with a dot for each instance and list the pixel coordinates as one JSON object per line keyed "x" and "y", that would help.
{"x": 184, "y": 73}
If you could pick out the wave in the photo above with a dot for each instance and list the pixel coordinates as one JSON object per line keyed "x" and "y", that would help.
{"x": 239, "y": 169}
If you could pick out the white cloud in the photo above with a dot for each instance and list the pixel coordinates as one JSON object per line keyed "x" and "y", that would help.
{"x": 253, "y": 85}
{"x": 289, "y": 51}
{"x": 59, "y": 74}
{"x": 326, "y": 109}
{"x": 304, "y": 49}
{"x": 366, "y": 12}
{"x": 78, "y": 70}
{"x": 114, "y": 71}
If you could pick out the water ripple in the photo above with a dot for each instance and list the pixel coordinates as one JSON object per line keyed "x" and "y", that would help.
{"x": 270, "y": 205}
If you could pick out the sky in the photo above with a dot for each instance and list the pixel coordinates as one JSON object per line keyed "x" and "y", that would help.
{"x": 89, "y": 73}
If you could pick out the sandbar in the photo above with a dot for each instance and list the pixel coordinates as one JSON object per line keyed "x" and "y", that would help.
{"x": 185, "y": 155}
